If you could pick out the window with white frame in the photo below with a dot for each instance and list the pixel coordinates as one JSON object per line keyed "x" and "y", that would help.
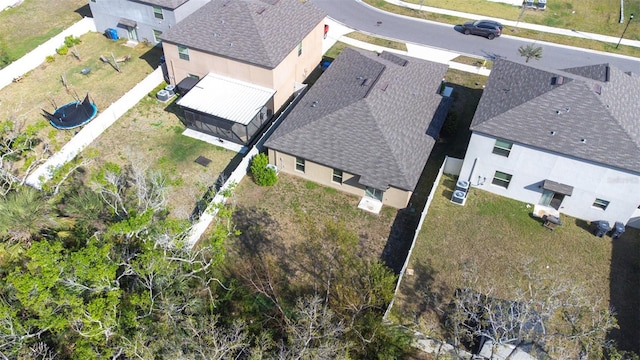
{"x": 300, "y": 164}
{"x": 337, "y": 176}
{"x": 156, "y": 35}
{"x": 502, "y": 147}
{"x": 501, "y": 179}
{"x": 183, "y": 52}
{"x": 300, "y": 48}
{"x": 157, "y": 12}
{"x": 600, "y": 204}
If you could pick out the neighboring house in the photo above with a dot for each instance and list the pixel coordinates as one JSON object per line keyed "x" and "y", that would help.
{"x": 248, "y": 44}
{"x": 567, "y": 140}
{"x": 366, "y": 127}
{"x": 141, "y": 20}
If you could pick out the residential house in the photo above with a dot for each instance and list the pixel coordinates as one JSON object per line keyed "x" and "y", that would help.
{"x": 249, "y": 47}
{"x": 366, "y": 127}
{"x": 141, "y": 20}
{"x": 564, "y": 140}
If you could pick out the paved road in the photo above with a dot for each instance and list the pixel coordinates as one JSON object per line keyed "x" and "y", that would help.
{"x": 360, "y": 16}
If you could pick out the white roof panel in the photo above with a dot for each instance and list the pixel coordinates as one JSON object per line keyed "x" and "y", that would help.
{"x": 227, "y": 98}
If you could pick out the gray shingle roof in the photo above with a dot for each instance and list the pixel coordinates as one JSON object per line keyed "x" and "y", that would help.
{"x": 168, "y": 4}
{"x": 368, "y": 115}
{"x": 259, "y": 32}
{"x": 597, "y": 103}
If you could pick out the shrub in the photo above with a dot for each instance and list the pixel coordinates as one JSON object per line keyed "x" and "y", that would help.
{"x": 71, "y": 40}
{"x": 262, "y": 175}
{"x": 50, "y": 58}
{"x": 62, "y": 50}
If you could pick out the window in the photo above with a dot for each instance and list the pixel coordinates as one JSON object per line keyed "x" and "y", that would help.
{"x": 300, "y": 48}
{"x": 194, "y": 76}
{"x": 300, "y": 164}
{"x": 373, "y": 193}
{"x": 600, "y": 204}
{"x": 502, "y": 148}
{"x": 337, "y": 176}
{"x": 183, "y": 52}
{"x": 501, "y": 179}
{"x": 157, "y": 12}
{"x": 156, "y": 35}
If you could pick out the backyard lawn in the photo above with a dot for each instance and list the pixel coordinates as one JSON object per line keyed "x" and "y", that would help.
{"x": 42, "y": 89}
{"x": 23, "y": 28}
{"x": 274, "y": 219}
{"x": 150, "y": 136}
{"x": 498, "y": 237}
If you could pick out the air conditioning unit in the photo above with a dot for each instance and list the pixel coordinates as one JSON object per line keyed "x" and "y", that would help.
{"x": 459, "y": 197}
{"x": 163, "y": 95}
{"x": 462, "y": 185}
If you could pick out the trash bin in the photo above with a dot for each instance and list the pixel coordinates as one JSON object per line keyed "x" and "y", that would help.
{"x": 618, "y": 230}
{"x": 601, "y": 228}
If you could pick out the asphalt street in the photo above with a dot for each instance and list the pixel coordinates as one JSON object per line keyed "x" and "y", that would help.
{"x": 360, "y": 16}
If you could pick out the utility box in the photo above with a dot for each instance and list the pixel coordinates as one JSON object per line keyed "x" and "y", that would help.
{"x": 601, "y": 227}
{"x": 618, "y": 230}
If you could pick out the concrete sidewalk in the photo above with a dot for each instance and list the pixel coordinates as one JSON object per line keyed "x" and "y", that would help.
{"x": 541, "y": 28}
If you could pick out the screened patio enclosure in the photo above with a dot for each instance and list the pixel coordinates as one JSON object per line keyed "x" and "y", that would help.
{"x": 226, "y": 108}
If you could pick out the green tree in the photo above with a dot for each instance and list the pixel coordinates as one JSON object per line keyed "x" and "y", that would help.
{"x": 530, "y": 51}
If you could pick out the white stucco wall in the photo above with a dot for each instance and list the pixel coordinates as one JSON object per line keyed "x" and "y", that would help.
{"x": 530, "y": 167}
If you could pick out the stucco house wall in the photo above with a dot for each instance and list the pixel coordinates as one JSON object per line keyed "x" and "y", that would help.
{"x": 107, "y": 14}
{"x": 291, "y": 71}
{"x": 323, "y": 175}
{"x": 530, "y": 166}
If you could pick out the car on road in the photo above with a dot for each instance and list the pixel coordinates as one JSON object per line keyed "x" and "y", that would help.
{"x": 487, "y": 28}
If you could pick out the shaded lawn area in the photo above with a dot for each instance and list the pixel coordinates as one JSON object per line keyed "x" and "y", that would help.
{"x": 273, "y": 219}
{"x": 500, "y": 238}
{"x": 23, "y": 102}
{"x": 150, "y": 135}
{"x": 23, "y": 28}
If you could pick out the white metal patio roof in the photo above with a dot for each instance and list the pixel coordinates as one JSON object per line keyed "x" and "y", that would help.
{"x": 227, "y": 98}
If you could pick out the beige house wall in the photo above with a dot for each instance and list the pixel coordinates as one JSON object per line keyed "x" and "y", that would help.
{"x": 293, "y": 69}
{"x": 323, "y": 175}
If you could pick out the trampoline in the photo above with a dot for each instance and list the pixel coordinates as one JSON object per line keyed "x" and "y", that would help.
{"x": 72, "y": 115}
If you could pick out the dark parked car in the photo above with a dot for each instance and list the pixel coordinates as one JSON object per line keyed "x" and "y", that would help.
{"x": 487, "y": 28}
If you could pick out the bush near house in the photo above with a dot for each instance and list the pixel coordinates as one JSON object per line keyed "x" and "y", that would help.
{"x": 261, "y": 174}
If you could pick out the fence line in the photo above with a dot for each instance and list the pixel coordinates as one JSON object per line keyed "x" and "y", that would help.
{"x": 205, "y": 219}
{"x": 453, "y": 162}
{"x": 93, "y": 129}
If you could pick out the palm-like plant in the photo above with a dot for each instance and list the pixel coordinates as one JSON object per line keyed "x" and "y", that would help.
{"x": 24, "y": 214}
{"x": 530, "y": 51}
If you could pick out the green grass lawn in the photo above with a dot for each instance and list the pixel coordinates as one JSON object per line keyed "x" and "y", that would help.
{"x": 34, "y": 22}
{"x": 501, "y": 240}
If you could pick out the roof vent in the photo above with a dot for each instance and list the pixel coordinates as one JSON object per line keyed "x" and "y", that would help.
{"x": 597, "y": 88}
{"x": 314, "y": 104}
{"x": 553, "y": 133}
{"x": 261, "y": 11}
{"x": 567, "y": 109}
{"x": 583, "y": 140}
{"x": 558, "y": 112}
{"x": 384, "y": 86}
{"x": 366, "y": 82}
{"x": 607, "y": 73}
{"x": 557, "y": 80}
